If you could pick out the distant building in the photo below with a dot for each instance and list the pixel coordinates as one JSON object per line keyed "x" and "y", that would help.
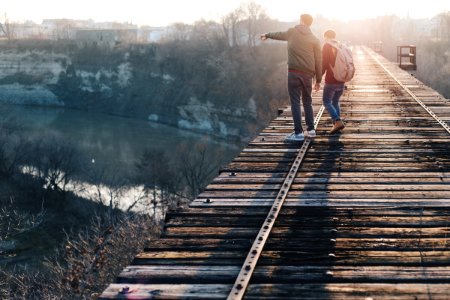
{"x": 148, "y": 34}
{"x": 114, "y": 25}
{"x": 105, "y": 37}
{"x": 29, "y": 30}
{"x": 65, "y": 29}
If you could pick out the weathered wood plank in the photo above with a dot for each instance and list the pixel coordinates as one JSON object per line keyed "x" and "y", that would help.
{"x": 304, "y": 244}
{"x": 325, "y": 202}
{"x": 312, "y": 220}
{"x": 284, "y": 256}
{"x": 285, "y": 291}
{"x": 332, "y": 187}
{"x": 279, "y": 232}
{"x": 319, "y": 174}
{"x": 285, "y": 274}
{"x": 355, "y": 181}
{"x": 328, "y": 194}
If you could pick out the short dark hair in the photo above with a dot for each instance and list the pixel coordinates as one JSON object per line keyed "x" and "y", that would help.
{"x": 329, "y": 34}
{"x": 306, "y": 19}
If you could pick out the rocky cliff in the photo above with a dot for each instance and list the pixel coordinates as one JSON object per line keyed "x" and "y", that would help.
{"x": 228, "y": 93}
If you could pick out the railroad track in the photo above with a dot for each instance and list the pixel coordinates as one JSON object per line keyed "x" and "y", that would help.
{"x": 360, "y": 215}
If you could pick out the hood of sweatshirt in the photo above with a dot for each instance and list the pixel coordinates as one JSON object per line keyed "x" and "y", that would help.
{"x": 303, "y": 29}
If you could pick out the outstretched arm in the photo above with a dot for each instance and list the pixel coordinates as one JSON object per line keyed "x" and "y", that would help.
{"x": 281, "y": 36}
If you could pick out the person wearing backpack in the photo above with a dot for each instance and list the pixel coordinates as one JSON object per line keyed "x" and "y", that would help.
{"x": 304, "y": 62}
{"x": 337, "y": 63}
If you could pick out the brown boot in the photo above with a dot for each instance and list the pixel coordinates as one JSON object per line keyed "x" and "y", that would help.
{"x": 338, "y": 125}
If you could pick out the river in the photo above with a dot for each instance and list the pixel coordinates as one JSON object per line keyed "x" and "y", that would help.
{"x": 103, "y": 141}
{"x": 112, "y": 141}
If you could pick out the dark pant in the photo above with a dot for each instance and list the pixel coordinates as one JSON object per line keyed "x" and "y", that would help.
{"x": 300, "y": 85}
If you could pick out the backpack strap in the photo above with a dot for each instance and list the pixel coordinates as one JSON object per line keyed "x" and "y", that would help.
{"x": 334, "y": 43}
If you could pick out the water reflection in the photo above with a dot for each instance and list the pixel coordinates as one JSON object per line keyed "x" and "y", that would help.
{"x": 111, "y": 143}
{"x": 127, "y": 198}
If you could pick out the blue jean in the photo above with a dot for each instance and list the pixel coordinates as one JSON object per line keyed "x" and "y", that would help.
{"x": 300, "y": 85}
{"x": 332, "y": 92}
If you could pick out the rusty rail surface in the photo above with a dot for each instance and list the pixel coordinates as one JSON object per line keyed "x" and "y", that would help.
{"x": 250, "y": 262}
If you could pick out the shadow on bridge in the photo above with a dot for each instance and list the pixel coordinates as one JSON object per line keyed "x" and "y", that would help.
{"x": 300, "y": 251}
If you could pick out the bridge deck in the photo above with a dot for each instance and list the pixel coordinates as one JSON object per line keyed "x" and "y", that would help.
{"x": 366, "y": 215}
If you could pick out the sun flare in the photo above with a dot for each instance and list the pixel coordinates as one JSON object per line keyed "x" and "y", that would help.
{"x": 347, "y": 10}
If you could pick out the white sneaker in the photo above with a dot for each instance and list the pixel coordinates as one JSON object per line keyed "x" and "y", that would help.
{"x": 295, "y": 137}
{"x": 311, "y": 133}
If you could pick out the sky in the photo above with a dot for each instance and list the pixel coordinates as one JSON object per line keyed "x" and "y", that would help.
{"x": 165, "y": 12}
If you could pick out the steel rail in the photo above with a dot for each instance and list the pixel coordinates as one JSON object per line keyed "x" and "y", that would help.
{"x": 424, "y": 106}
{"x": 240, "y": 286}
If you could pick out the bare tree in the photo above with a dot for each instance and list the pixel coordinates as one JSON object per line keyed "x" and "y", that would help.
{"x": 179, "y": 32}
{"x": 14, "y": 222}
{"x": 26, "y": 284}
{"x": 106, "y": 185}
{"x": 197, "y": 165}
{"x": 153, "y": 170}
{"x": 54, "y": 161}
{"x": 93, "y": 259}
{"x": 249, "y": 19}
{"x": 444, "y": 25}
{"x": 13, "y": 148}
{"x": 88, "y": 261}
{"x": 208, "y": 32}
{"x": 255, "y": 15}
{"x": 230, "y": 26}
{"x": 7, "y": 28}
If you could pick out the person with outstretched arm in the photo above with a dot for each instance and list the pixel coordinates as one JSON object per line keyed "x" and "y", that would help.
{"x": 304, "y": 63}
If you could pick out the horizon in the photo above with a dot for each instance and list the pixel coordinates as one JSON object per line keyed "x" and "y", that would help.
{"x": 164, "y": 14}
